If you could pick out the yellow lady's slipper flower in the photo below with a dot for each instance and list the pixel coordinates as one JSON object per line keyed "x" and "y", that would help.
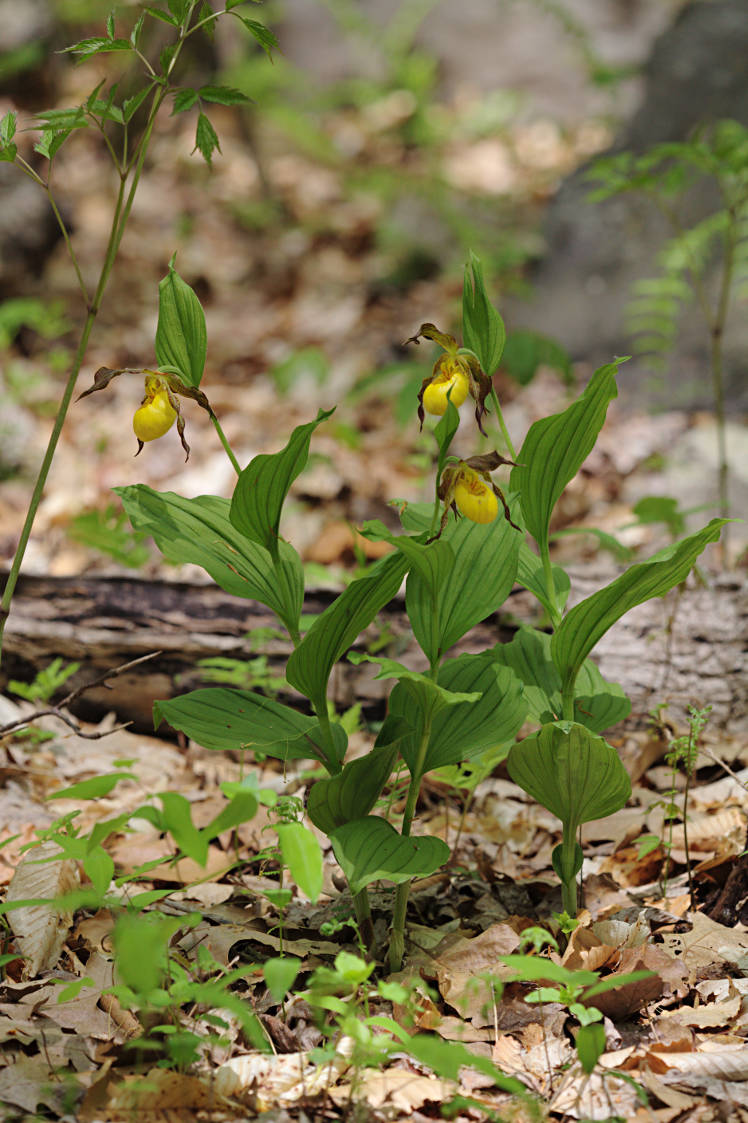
{"x": 457, "y": 372}
{"x": 155, "y": 417}
{"x": 451, "y": 373}
{"x": 159, "y": 408}
{"x": 466, "y": 488}
{"x": 474, "y": 496}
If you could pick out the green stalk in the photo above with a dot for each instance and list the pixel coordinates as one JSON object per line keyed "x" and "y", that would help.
{"x": 550, "y": 588}
{"x": 226, "y": 445}
{"x": 569, "y": 883}
{"x": 397, "y": 932}
{"x": 502, "y": 424}
{"x": 122, "y": 209}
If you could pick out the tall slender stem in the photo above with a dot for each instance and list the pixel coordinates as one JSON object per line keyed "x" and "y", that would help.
{"x": 550, "y": 588}
{"x": 569, "y": 881}
{"x": 226, "y": 445}
{"x": 120, "y": 216}
{"x": 502, "y": 424}
{"x": 397, "y": 932}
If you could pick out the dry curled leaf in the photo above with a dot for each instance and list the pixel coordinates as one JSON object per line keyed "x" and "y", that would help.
{"x": 41, "y": 930}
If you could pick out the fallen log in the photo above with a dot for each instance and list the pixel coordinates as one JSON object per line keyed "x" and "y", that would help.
{"x": 688, "y": 647}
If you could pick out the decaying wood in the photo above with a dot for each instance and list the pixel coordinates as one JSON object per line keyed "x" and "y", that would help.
{"x": 685, "y": 648}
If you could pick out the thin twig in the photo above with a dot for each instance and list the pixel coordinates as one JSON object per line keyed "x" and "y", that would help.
{"x": 55, "y": 711}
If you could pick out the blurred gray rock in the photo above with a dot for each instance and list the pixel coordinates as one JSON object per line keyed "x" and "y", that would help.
{"x": 28, "y": 230}
{"x": 697, "y": 73}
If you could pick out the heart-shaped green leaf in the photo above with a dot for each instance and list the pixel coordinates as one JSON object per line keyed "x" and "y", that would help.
{"x": 370, "y": 849}
{"x": 575, "y": 774}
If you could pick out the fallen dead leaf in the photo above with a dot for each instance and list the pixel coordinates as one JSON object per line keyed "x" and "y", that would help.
{"x": 398, "y": 1089}
{"x": 459, "y": 962}
{"x": 41, "y": 930}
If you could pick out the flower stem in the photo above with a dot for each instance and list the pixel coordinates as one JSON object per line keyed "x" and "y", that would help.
{"x": 502, "y": 424}
{"x": 397, "y": 932}
{"x": 120, "y": 216}
{"x": 226, "y": 445}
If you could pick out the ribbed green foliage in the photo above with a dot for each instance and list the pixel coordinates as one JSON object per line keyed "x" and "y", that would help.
{"x": 370, "y": 849}
{"x": 199, "y": 531}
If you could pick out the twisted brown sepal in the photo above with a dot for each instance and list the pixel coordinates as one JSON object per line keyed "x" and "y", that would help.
{"x": 430, "y": 331}
{"x": 481, "y": 385}
{"x": 421, "y": 411}
{"x": 103, "y": 377}
{"x": 489, "y": 461}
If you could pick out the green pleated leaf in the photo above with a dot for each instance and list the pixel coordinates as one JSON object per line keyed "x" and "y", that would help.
{"x": 334, "y": 630}
{"x": 531, "y": 576}
{"x": 199, "y": 531}
{"x": 181, "y": 336}
{"x": 576, "y": 775}
{"x": 444, "y": 432}
{"x": 423, "y": 695}
{"x": 264, "y": 484}
{"x": 222, "y": 718}
{"x": 456, "y": 582}
{"x": 482, "y": 327}
{"x": 583, "y": 626}
{"x": 466, "y": 729}
{"x": 597, "y": 704}
{"x": 355, "y": 790}
{"x": 370, "y": 849}
{"x": 555, "y": 449}
{"x": 469, "y": 587}
{"x": 301, "y": 853}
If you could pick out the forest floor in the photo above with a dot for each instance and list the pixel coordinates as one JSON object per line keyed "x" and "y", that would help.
{"x": 308, "y": 302}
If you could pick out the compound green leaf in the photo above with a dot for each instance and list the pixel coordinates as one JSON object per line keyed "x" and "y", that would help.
{"x": 576, "y": 775}
{"x": 370, "y": 849}
{"x": 334, "y": 630}
{"x": 555, "y": 449}
{"x": 588, "y": 621}
{"x": 199, "y": 531}
{"x": 181, "y": 336}
{"x": 264, "y": 484}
